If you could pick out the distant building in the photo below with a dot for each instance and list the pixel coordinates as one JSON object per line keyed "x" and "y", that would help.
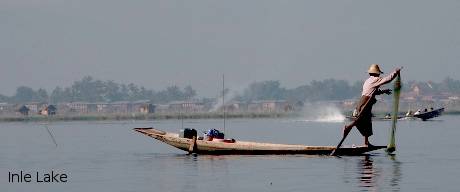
{"x": 48, "y": 110}
{"x": 269, "y": 106}
{"x": 142, "y": 106}
{"x": 148, "y": 108}
{"x": 34, "y": 107}
{"x": 298, "y": 106}
{"x": 236, "y": 106}
{"x": 78, "y": 107}
{"x": 6, "y": 108}
{"x": 52, "y": 110}
{"x": 98, "y": 107}
{"x": 24, "y": 110}
{"x": 429, "y": 98}
{"x": 120, "y": 107}
{"x": 186, "y": 106}
{"x": 162, "y": 109}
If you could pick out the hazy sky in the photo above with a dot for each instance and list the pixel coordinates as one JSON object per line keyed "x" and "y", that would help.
{"x": 48, "y": 43}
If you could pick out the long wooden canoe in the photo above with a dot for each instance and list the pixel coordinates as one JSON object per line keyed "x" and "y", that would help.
{"x": 247, "y": 148}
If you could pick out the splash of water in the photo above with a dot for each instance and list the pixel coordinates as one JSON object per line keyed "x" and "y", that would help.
{"x": 233, "y": 91}
{"x": 322, "y": 112}
{"x": 228, "y": 97}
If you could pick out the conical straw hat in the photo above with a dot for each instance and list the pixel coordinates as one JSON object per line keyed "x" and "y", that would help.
{"x": 374, "y": 68}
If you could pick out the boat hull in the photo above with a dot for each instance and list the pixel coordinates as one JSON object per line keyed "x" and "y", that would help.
{"x": 430, "y": 114}
{"x": 247, "y": 148}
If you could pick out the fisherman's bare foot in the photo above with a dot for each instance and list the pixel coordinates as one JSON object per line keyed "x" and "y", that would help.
{"x": 366, "y": 142}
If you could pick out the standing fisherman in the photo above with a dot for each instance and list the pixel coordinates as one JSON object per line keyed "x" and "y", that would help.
{"x": 370, "y": 90}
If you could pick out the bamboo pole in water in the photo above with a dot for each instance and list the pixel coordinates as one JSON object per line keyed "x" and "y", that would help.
{"x": 396, "y": 93}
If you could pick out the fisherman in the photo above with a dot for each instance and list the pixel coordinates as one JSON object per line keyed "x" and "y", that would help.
{"x": 409, "y": 113}
{"x": 388, "y": 116}
{"x": 370, "y": 90}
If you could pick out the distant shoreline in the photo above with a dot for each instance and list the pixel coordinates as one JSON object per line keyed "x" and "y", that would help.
{"x": 161, "y": 116}
{"x": 138, "y": 116}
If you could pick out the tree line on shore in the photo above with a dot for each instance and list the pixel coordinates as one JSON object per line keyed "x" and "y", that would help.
{"x": 89, "y": 89}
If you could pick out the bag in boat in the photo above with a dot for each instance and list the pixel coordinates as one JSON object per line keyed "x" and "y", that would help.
{"x": 214, "y": 133}
{"x": 187, "y": 133}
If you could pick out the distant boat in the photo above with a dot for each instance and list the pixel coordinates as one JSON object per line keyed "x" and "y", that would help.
{"x": 385, "y": 118}
{"x": 429, "y": 114}
{"x": 235, "y": 147}
{"x": 409, "y": 116}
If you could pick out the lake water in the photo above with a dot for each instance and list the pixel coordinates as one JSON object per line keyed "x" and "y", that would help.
{"x": 109, "y": 156}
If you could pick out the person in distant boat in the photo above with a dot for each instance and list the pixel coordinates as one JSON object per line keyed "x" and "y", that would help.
{"x": 388, "y": 116}
{"x": 425, "y": 110}
{"x": 418, "y": 112}
{"x": 409, "y": 113}
{"x": 370, "y": 90}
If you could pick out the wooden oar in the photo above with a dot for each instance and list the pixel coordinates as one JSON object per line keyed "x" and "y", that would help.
{"x": 348, "y": 127}
{"x": 396, "y": 92}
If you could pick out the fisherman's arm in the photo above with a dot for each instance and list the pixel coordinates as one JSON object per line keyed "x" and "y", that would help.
{"x": 384, "y": 91}
{"x": 387, "y": 79}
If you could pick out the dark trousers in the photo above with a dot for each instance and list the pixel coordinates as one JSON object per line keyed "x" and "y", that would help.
{"x": 364, "y": 124}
